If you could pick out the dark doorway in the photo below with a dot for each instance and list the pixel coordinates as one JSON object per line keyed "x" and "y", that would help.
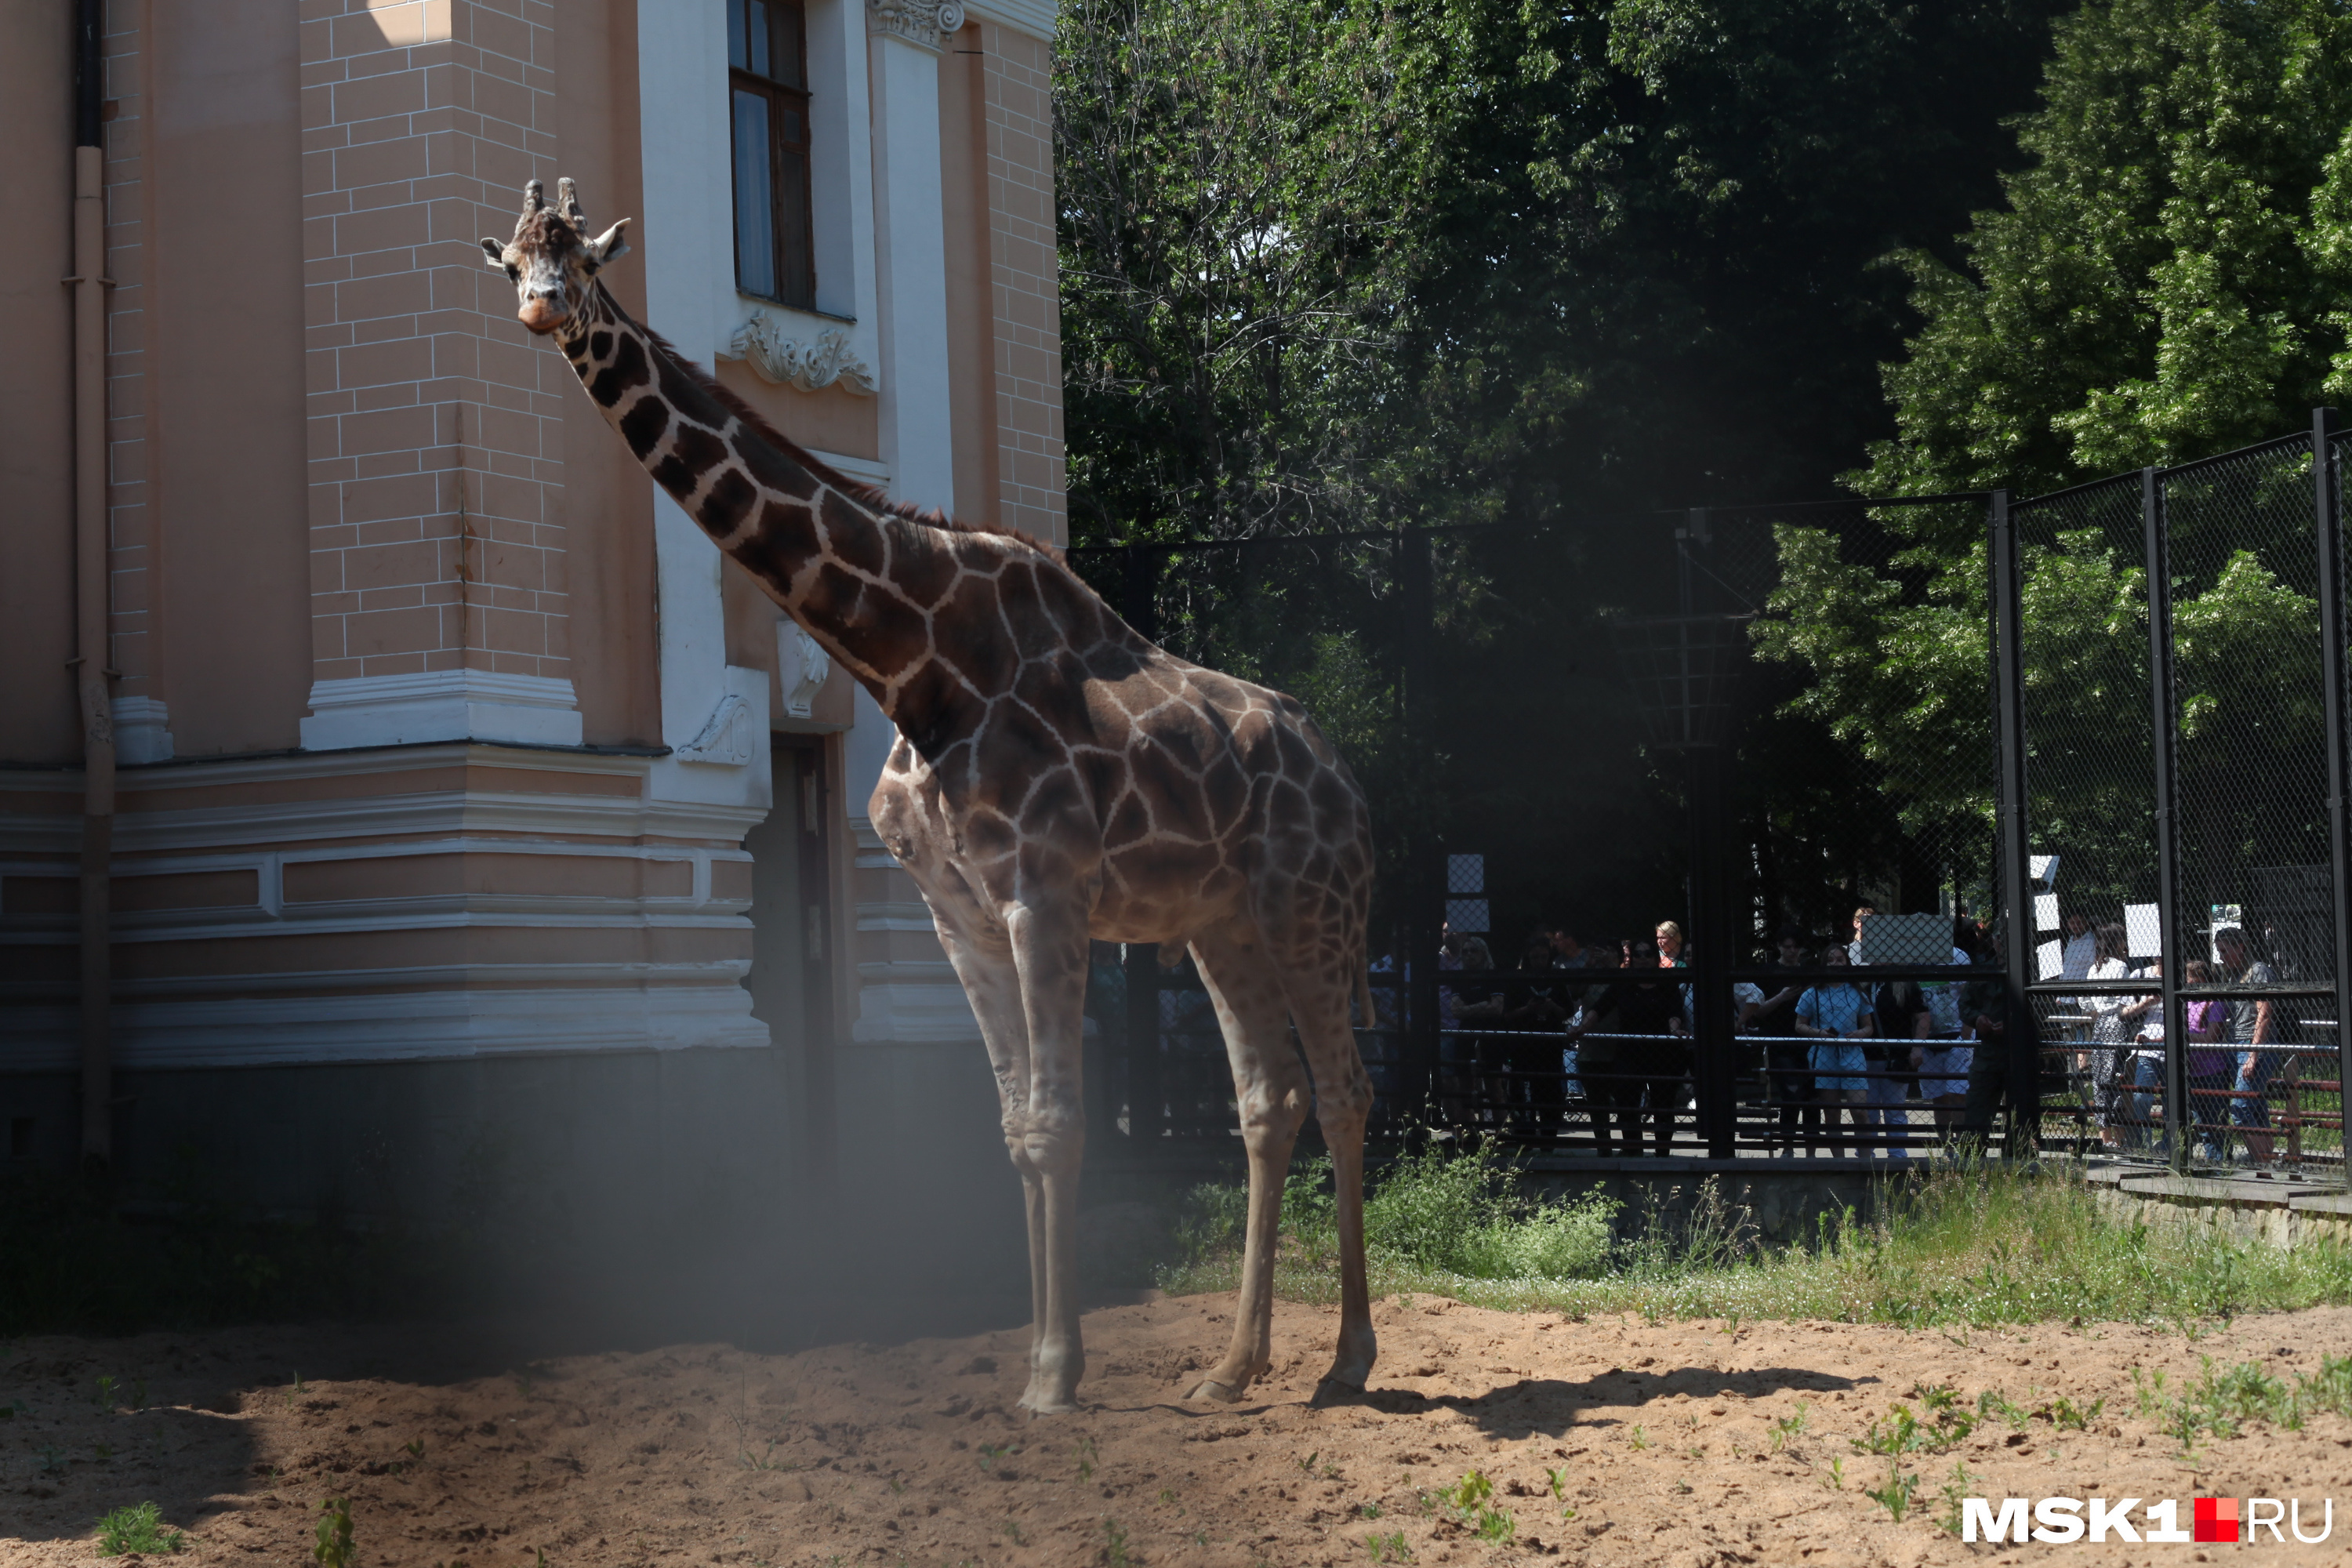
{"x": 792, "y": 967}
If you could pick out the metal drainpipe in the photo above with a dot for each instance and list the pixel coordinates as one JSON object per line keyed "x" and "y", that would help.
{"x": 93, "y": 674}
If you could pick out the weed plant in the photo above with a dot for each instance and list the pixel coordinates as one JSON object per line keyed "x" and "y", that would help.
{"x": 138, "y": 1527}
{"x": 1967, "y": 1245}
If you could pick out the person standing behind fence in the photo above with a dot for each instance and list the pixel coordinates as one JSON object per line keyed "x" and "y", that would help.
{"x": 2082, "y": 949}
{"x": 1595, "y": 1056}
{"x": 2204, "y": 1023}
{"x": 1787, "y": 1059}
{"x": 1899, "y": 1011}
{"x": 1644, "y": 1003}
{"x": 2253, "y": 1029}
{"x": 1835, "y": 1016}
{"x": 1942, "y": 1059}
{"x": 2143, "y": 1068}
{"x": 2110, "y": 1074}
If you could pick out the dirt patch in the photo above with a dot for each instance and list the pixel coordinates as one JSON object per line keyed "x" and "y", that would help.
{"x": 913, "y": 1453}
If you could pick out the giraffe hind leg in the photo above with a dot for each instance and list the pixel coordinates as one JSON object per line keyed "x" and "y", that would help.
{"x": 1272, "y": 1090}
{"x": 1343, "y": 1103}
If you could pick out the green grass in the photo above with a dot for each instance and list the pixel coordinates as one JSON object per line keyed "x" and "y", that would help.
{"x": 1965, "y": 1246}
{"x": 138, "y": 1527}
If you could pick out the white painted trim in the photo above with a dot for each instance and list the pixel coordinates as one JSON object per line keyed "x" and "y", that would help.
{"x": 278, "y": 1031}
{"x": 1035, "y": 17}
{"x": 440, "y": 705}
{"x": 841, "y": 175}
{"x": 143, "y": 730}
{"x": 910, "y": 251}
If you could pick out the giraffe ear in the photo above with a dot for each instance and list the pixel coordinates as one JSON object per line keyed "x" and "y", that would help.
{"x": 496, "y": 250}
{"x": 609, "y": 246}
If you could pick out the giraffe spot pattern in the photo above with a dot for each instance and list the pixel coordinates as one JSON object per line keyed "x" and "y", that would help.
{"x": 1056, "y": 774}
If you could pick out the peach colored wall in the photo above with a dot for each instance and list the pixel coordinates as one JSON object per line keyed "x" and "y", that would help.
{"x": 436, "y": 448}
{"x": 971, "y": 326}
{"x": 1025, "y": 286}
{"x": 831, "y": 420}
{"x": 36, "y": 516}
{"x": 607, "y": 497}
{"x": 213, "y": 613}
{"x": 132, "y": 502}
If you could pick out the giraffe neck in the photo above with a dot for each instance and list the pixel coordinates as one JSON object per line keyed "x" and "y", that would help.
{"x": 863, "y": 579}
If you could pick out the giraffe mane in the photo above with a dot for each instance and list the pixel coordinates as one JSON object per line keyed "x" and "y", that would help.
{"x": 866, "y": 495}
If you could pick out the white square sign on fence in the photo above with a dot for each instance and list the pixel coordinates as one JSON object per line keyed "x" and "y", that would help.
{"x": 2045, "y": 911}
{"x": 1906, "y": 939}
{"x": 1468, "y": 915}
{"x": 2050, "y": 960}
{"x": 2143, "y": 930}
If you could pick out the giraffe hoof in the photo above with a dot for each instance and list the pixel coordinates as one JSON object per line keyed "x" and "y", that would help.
{"x": 1223, "y": 1393}
{"x": 1046, "y": 1403}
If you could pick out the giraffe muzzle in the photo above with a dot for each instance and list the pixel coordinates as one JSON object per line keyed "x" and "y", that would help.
{"x": 543, "y": 314}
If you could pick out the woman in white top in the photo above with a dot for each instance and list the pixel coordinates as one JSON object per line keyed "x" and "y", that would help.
{"x": 2110, "y": 1079}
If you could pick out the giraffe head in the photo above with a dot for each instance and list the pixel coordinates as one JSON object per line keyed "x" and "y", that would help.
{"x": 551, "y": 258}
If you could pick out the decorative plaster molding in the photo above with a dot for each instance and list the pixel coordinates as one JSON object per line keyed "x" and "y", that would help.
{"x": 143, "y": 732}
{"x": 761, "y": 344}
{"x": 440, "y": 705}
{"x": 802, "y": 666}
{"x": 726, "y": 739}
{"x": 919, "y": 22}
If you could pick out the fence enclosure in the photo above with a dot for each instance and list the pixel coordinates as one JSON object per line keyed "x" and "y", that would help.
{"x": 2125, "y": 699}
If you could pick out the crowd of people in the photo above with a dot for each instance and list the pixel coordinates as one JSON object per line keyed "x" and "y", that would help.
{"x": 2235, "y": 1044}
{"x": 1585, "y": 1040}
{"x": 1605, "y": 1028}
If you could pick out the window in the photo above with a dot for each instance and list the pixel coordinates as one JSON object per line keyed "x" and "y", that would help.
{"x": 767, "y": 78}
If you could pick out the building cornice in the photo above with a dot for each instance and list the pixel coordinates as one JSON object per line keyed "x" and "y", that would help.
{"x": 1035, "y": 17}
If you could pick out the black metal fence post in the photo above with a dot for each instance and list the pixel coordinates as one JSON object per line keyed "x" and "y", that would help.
{"x": 2179, "y": 1113}
{"x": 1418, "y": 1042}
{"x": 1710, "y": 957}
{"x": 2325, "y": 481}
{"x": 2024, "y": 1075}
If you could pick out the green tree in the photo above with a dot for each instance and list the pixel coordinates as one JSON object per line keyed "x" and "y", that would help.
{"x": 1460, "y": 260}
{"x": 1236, "y": 182}
{"x": 2165, "y": 279}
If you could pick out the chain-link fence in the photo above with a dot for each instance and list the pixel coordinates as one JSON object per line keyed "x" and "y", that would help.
{"x": 1557, "y": 728}
{"x": 1784, "y": 752}
{"x": 2176, "y": 699}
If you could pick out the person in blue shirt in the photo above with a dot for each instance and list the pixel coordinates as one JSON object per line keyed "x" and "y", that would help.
{"x": 1837, "y": 1016}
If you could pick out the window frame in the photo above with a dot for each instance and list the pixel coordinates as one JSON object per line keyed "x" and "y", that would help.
{"x": 792, "y": 225}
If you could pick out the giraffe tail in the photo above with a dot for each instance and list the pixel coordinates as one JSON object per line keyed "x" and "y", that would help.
{"x": 1364, "y": 991}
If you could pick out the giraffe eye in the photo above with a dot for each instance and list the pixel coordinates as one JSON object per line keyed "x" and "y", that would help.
{"x": 515, "y": 273}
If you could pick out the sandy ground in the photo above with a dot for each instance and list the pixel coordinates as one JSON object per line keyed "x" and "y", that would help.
{"x": 912, "y": 1453}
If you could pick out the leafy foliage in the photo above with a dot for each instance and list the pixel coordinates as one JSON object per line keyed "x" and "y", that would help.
{"x": 2164, "y": 281}
{"x": 1456, "y": 260}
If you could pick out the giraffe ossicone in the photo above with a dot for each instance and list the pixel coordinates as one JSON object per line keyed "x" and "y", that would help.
{"x": 1056, "y": 779}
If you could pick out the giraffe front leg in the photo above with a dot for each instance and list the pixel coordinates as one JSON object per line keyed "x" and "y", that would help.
{"x": 1049, "y": 950}
{"x": 1273, "y": 1094}
{"x": 991, "y": 982}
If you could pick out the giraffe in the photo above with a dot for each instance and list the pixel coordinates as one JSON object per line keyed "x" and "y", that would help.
{"x": 1056, "y": 778}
